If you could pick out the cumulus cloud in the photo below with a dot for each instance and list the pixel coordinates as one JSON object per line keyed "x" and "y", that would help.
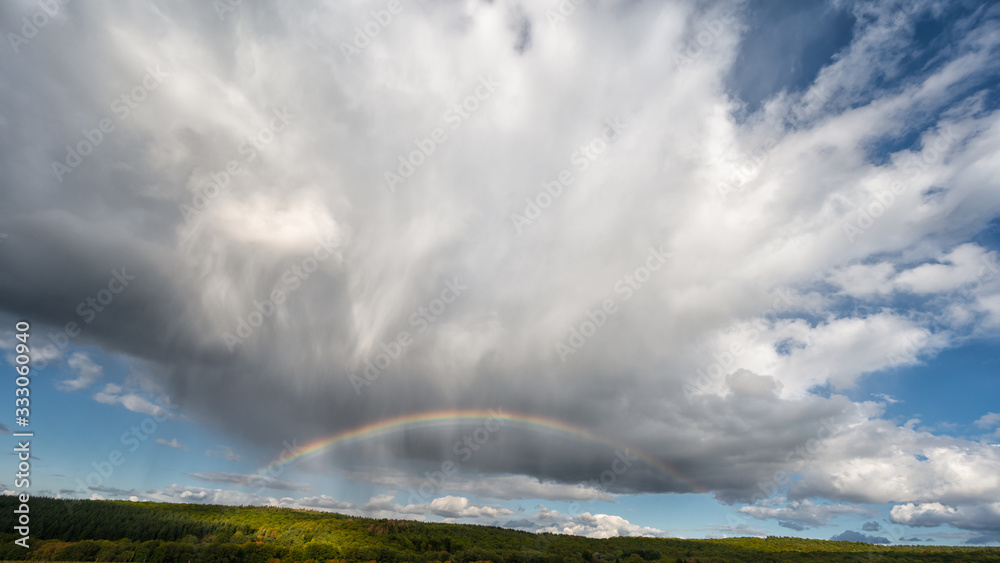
{"x": 981, "y": 517}
{"x": 269, "y": 276}
{"x": 885, "y": 463}
{"x": 591, "y": 525}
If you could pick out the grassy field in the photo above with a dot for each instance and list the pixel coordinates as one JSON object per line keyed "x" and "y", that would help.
{"x": 84, "y": 530}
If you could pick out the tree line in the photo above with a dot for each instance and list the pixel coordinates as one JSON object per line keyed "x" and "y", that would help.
{"x": 85, "y": 530}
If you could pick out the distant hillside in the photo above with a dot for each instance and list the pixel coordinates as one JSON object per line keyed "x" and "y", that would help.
{"x": 84, "y": 530}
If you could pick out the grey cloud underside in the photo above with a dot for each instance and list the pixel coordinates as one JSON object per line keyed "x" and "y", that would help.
{"x": 851, "y": 535}
{"x": 322, "y": 179}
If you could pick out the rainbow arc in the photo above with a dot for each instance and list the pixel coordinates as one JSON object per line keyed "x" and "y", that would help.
{"x": 443, "y": 418}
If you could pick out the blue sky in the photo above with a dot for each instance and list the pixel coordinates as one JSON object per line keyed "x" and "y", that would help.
{"x": 755, "y": 243}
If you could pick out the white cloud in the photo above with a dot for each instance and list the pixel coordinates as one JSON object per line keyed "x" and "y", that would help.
{"x": 113, "y": 395}
{"x": 447, "y": 507}
{"x": 984, "y": 516}
{"x": 988, "y": 420}
{"x": 173, "y": 443}
{"x": 874, "y": 461}
{"x": 889, "y": 399}
{"x": 594, "y": 525}
{"x": 183, "y": 493}
{"x": 806, "y": 512}
{"x": 87, "y": 373}
{"x": 955, "y": 269}
{"x": 836, "y": 351}
{"x": 861, "y": 280}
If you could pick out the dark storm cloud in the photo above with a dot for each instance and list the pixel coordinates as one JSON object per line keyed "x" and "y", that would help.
{"x": 244, "y": 200}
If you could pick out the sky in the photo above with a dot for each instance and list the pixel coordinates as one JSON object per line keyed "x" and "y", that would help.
{"x": 594, "y": 267}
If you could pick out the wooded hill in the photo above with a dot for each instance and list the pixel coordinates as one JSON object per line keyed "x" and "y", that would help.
{"x": 85, "y": 530}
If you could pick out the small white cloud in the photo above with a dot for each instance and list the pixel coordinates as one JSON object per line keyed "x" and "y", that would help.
{"x": 112, "y": 395}
{"x": 988, "y": 420}
{"x": 952, "y": 270}
{"x": 87, "y": 372}
{"x": 887, "y": 398}
{"x": 173, "y": 443}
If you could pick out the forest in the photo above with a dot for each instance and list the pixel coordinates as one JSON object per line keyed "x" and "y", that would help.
{"x": 92, "y": 530}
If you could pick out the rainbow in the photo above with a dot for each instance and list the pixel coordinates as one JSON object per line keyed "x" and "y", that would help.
{"x": 441, "y": 418}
